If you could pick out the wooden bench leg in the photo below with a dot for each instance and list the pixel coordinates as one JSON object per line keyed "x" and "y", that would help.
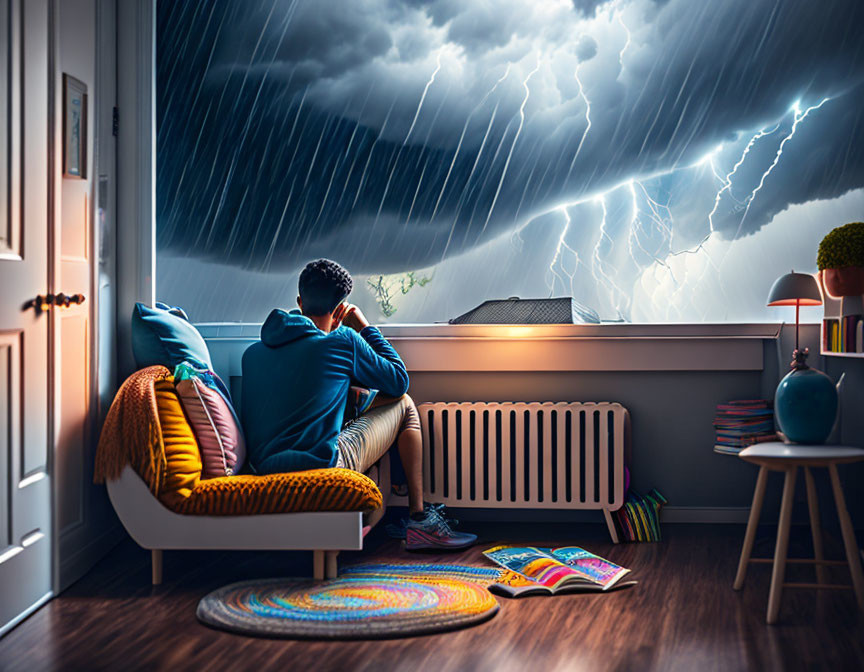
{"x": 331, "y": 569}
{"x": 156, "y": 562}
{"x": 752, "y": 524}
{"x": 779, "y": 572}
{"x": 815, "y": 526}
{"x": 849, "y": 542}
{"x": 611, "y": 525}
{"x": 318, "y": 565}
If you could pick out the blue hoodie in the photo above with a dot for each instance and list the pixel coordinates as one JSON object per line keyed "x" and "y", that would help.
{"x": 295, "y": 385}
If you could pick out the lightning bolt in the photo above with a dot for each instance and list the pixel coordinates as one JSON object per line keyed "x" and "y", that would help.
{"x": 799, "y": 117}
{"x": 597, "y": 263}
{"x": 557, "y": 258}
{"x": 513, "y": 144}
{"x": 636, "y": 223}
{"x": 648, "y": 220}
{"x": 587, "y": 120}
{"x": 619, "y": 16}
{"x": 423, "y": 97}
{"x": 658, "y": 220}
{"x": 727, "y": 180}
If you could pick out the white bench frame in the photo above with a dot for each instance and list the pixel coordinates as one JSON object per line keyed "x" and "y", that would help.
{"x": 325, "y": 533}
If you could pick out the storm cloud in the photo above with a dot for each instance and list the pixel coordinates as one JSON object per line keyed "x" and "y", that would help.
{"x": 396, "y": 135}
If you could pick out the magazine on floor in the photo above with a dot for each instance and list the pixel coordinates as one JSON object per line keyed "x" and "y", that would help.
{"x": 554, "y": 570}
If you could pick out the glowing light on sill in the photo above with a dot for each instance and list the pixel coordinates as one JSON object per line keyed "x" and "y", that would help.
{"x": 519, "y": 332}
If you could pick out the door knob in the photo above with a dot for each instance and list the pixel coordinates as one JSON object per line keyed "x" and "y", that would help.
{"x": 43, "y": 302}
{"x": 65, "y": 300}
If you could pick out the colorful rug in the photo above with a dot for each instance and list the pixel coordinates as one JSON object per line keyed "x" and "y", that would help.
{"x": 365, "y": 602}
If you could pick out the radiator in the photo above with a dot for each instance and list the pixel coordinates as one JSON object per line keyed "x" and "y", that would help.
{"x": 525, "y": 455}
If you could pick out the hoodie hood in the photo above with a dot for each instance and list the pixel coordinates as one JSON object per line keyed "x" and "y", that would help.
{"x": 282, "y": 327}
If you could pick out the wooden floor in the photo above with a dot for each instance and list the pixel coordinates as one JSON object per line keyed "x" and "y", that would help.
{"x": 683, "y": 615}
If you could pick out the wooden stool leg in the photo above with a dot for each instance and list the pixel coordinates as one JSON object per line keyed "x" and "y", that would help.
{"x": 318, "y": 565}
{"x": 848, "y": 537}
{"x": 815, "y": 525}
{"x": 331, "y": 569}
{"x": 752, "y": 523}
{"x": 779, "y": 573}
{"x": 156, "y": 562}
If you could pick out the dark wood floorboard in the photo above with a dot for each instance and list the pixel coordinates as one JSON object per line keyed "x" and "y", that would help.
{"x": 683, "y": 615}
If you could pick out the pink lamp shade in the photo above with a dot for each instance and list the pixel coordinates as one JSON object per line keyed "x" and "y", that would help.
{"x": 795, "y": 289}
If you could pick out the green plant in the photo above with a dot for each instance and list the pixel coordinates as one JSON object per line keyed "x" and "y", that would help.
{"x": 384, "y": 287}
{"x": 842, "y": 247}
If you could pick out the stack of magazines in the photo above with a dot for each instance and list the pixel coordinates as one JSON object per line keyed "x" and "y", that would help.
{"x": 742, "y": 423}
{"x": 639, "y": 518}
{"x": 549, "y": 571}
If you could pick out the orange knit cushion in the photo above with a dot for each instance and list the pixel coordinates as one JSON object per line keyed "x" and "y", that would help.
{"x": 312, "y": 490}
{"x": 181, "y": 450}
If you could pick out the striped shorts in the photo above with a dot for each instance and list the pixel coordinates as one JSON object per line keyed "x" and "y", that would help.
{"x": 363, "y": 442}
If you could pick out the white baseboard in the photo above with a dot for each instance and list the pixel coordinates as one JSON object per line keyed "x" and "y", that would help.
{"x": 15, "y": 621}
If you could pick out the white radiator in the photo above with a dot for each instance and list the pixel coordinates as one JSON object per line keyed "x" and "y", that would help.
{"x": 525, "y": 455}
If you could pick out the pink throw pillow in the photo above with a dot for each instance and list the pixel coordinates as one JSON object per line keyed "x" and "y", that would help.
{"x": 220, "y": 439}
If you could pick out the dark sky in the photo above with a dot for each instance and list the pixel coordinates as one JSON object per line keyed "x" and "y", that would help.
{"x": 391, "y": 135}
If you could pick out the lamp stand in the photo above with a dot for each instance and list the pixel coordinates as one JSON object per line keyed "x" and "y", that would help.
{"x": 799, "y": 357}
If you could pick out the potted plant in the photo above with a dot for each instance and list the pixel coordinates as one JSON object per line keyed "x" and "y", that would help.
{"x": 841, "y": 260}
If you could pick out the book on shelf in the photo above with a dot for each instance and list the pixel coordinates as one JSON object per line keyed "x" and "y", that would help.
{"x": 551, "y": 571}
{"x": 843, "y": 334}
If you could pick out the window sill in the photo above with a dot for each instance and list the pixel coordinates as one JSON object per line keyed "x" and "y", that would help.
{"x": 545, "y": 348}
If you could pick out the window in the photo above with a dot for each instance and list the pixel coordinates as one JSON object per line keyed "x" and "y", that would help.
{"x": 658, "y": 161}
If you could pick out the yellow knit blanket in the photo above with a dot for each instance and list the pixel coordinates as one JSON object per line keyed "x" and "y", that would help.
{"x": 132, "y": 434}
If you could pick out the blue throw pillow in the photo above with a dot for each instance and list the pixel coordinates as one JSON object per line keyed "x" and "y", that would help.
{"x": 164, "y": 336}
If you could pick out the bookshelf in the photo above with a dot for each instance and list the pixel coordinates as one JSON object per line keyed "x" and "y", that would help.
{"x": 833, "y": 315}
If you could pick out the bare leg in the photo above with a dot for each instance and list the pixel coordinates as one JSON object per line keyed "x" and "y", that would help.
{"x": 410, "y": 443}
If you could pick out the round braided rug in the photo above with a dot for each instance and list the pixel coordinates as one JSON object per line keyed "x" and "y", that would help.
{"x": 362, "y": 606}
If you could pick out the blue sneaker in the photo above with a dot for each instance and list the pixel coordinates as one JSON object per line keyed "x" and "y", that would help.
{"x": 398, "y": 530}
{"x": 434, "y": 531}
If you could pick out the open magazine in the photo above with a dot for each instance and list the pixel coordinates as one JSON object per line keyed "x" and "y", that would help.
{"x": 554, "y": 570}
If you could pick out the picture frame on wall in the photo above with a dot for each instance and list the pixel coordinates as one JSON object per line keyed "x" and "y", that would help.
{"x": 74, "y": 128}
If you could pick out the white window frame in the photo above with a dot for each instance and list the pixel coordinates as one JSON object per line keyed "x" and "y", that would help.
{"x": 136, "y": 165}
{"x": 624, "y": 346}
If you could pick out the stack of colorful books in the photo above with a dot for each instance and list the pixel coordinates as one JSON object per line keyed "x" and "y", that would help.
{"x": 639, "y": 518}
{"x": 844, "y": 334}
{"x": 742, "y": 423}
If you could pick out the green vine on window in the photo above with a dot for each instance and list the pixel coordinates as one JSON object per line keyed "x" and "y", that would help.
{"x": 386, "y": 287}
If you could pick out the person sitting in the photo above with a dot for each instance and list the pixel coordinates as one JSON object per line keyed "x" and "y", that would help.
{"x": 295, "y": 386}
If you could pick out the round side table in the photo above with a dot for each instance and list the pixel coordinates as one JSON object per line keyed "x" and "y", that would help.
{"x": 777, "y": 456}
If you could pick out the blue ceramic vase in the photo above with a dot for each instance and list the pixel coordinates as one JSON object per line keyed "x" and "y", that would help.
{"x": 805, "y": 405}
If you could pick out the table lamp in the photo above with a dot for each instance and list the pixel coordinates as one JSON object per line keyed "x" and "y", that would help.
{"x": 805, "y": 404}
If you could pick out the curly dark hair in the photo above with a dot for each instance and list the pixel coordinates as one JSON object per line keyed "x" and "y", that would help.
{"x": 324, "y": 284}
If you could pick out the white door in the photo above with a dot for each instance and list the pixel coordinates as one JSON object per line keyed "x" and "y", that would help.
{"x": 25, "y": 483}
{"x": 84, "y": 518}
